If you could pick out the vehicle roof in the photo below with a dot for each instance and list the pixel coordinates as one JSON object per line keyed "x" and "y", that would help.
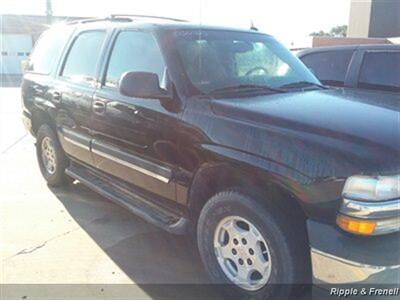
{"x": 349, "y": 47}
{"x": 151, "y": 23}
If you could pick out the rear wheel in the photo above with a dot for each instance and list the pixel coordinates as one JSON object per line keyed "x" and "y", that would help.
{"x": 250, "y": 247}
{"x": 51, "y": 157}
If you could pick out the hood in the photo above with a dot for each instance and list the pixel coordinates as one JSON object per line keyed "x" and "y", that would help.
{"x": 353, "y": 117}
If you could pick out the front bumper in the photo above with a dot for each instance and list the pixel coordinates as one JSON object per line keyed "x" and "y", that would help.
{"x": 341, "y": 258}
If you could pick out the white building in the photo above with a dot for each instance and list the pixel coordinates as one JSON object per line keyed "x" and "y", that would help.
{"x": 18, "y": 34}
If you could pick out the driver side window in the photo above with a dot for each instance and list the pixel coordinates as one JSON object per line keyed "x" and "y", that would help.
{"x": 134, "y": 51}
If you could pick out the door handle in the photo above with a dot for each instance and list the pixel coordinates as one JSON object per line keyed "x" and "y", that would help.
{"x": 56, "y": 97}
{"x": 127, "y": 108}
{"x": 99, "y": 106}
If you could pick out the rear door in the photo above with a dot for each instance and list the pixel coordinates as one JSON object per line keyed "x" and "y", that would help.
{"x": 380, "y": 71}
{"x": 135, "y": 139}
{"x": 74, "y": 89}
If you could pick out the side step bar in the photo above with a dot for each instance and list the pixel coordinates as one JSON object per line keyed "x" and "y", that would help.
{"x": 153, "y": 214}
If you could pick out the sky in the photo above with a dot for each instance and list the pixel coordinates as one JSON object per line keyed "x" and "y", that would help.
{"x": 288, "y": 20}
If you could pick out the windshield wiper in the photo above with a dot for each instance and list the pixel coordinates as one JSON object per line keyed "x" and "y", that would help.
{"x": 246, "y": 88}
{"x": 301, "y": 84}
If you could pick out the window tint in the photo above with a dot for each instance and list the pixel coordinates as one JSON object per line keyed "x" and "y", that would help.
{"x": 380, "y": 70}
{"x": 48, "y": 50}
{"x": 83, "y": 56}
{"x": 330, "y": 67}
{"x": 134, "y": 52}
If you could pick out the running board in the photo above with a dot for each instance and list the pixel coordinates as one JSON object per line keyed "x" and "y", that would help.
{"x": 135, "y": 203}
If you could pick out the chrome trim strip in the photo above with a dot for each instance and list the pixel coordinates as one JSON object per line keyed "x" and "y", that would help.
{"x": 40, "y": 101}
{"x": 328, "y": 268}
{"x": 371, "y": 210}
{"x": 345, "y": 261}
{"x": 387, "y": 226}
{"x": 131, "y": 166}
{"x": 76, "y": 143}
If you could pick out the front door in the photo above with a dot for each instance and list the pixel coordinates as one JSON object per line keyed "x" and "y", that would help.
{"x": 135, "y": 139}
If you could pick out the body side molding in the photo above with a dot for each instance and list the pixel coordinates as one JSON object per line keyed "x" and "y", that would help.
{"x": 131, "y": 161}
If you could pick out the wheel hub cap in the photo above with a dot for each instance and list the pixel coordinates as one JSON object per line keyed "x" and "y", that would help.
{"x": 49, "y": 155}
{"x": 242, "y": 253}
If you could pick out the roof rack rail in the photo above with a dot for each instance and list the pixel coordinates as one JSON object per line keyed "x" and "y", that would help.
{"x": 89, "y": 20}
{"x": 122, "y": 17}
{"x": 147, "y": 17}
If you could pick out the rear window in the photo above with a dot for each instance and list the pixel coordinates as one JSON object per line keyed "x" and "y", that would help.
{"x": 380, "y": 71}
{"x": 48, "y": 50}
{"x": 330, "y": 67}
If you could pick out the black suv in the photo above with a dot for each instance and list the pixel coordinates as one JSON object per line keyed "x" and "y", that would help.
{"x": 222, "y": 133}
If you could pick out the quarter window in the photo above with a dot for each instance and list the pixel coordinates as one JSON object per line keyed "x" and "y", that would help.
{"x": 134, "y": 52}
{"x": 82, "y": 58}
{"x": 381, "y": 71}
{"x": 330, "y": 67}
{"x": 48, "y": 50}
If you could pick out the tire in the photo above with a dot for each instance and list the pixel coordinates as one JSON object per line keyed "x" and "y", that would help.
{"x": 54, "y": 176}
{"x": 287, "y": 253}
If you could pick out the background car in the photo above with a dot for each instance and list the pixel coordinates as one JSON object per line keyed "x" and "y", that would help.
{"x": 371, "y": 67}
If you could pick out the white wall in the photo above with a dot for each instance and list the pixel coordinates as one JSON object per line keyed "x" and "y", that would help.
{"x": 14, "y": 48}
{"x": 360, "y": 16}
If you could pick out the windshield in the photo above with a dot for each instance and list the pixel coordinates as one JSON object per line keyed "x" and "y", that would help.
{"x": 216, "y": 59}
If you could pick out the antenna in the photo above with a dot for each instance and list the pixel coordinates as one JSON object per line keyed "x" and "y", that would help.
{"x": 252, "y": 27}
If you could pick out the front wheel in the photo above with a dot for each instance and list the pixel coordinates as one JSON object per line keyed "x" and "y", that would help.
{"x": 51, "y": 157}
{"x": 250, "y": 247}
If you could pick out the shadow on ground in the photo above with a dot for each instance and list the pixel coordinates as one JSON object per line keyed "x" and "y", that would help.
{"x": 161, "y": 264}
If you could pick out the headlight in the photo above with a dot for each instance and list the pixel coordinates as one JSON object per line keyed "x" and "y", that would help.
{"x": 372, "y": 188}
{"x": 371, "y": 205}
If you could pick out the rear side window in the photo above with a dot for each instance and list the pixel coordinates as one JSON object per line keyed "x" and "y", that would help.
{"x": 83, "y": 56}
{"x": 330, "y": 67}
{"x": 134, "y": 52}
{"x": 48, "y": 50}
{"x": 380, "y": 71}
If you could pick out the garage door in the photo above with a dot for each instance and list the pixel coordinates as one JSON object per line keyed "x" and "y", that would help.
{"x": 14, "y": 48}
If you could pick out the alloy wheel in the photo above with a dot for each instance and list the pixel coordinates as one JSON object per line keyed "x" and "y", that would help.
{"x": 242, "y": 253}
{"x": 49, "y": 159}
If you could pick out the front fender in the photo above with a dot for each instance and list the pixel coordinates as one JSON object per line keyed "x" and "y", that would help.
{"x": 257, "y": 162}
{"x": 319, "y": 199}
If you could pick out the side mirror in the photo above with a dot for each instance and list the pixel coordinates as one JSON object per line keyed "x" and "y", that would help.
{"x": 142, "y": 85}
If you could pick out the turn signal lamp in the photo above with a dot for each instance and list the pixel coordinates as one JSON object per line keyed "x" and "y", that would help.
{"x": 356, "y": 226}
